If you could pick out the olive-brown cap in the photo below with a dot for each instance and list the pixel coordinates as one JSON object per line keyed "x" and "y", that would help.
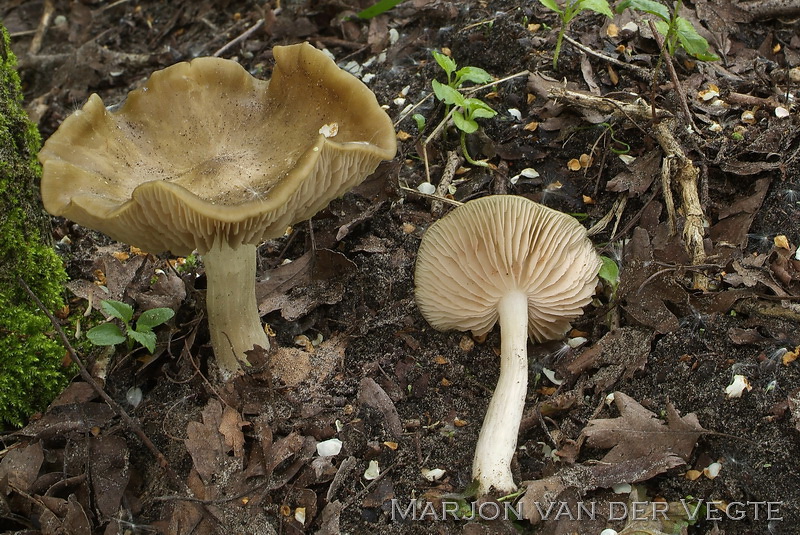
{"x": 470, "y": 259}
{"x": 204, "y": 152}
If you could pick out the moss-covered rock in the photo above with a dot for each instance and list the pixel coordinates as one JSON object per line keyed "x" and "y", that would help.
{"x": 31, "y": 370}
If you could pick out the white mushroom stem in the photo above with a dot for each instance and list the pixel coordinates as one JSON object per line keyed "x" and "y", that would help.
{"x": 498, "y": 438}
{"x": 233, "y": 318}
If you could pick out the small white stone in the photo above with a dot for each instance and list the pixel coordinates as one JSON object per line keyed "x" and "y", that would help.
{"x": 528, "y": 172}
{"x": 781, "y": 112}
{"x": 712, "y": 470}
{"x": 737, "y": 387}
{"x": 427, "y": 188}
{"x": 329, "y": 448}
{"x": 372, "y": 471}
{"x": 433, "y": 475}
{"x": 134, "y": 396}
{"x": 551, "y": 376}
{"x": 329, "y": 130}
{"x": 394, "y": 36}
{"x": 621, "y": 488}
{"x": 515, "y": 113}
{"x": 578, "y": 341}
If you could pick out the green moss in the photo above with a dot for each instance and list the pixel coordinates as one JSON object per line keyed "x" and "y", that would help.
{"x": 31, "y": 371}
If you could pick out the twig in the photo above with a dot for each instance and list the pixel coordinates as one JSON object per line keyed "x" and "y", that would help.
{"x": 672, "y": 75}
{"x": 432, "y": 197}
{"x": 111, "y": 5}
{"x": 637, "y": 71}
{"x": 444, "y": 183}
{"x": 769, "y": 9}
{"x": 615, "y": 212}
{"x": 750, "y": 100}
{"x": 130, "y": 422}
{"x": 675, "y": 163}
{"x": 44, "y": 22}
{"x": 247, "y": 33}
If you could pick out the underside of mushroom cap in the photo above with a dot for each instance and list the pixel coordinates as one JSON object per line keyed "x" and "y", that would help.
{"x": 205, "y": 152}
{"x": 470, "y": 259}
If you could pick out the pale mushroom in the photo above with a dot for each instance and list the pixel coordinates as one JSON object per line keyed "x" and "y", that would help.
{"x": 505, "y": 258}
{"x": 206, "y": 157}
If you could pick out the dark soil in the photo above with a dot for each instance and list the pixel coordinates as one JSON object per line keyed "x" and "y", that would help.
{"x": 674, "y": 345}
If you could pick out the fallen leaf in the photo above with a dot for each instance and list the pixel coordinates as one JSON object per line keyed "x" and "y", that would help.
{"x": 21, "y": 465}
{"x": 637, "y": 432}
{"x": 231, "y": 428}
{"x": 371, "y": 394}
{"x": 109, "y": 472}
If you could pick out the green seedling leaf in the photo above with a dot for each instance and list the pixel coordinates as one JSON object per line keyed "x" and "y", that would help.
{"x": 662, "y": 27}
{"x": 377, "y": 9}
{"x": 691, "y": 41}
{"x": 445, "y": 62}
{"x": 478, "y": 109}
{"x": 420, "y": 120}
{"x": 153, "y": 317}
{"x": 463, "y": 123}
{"x": 472, "y": 74}
{"x": 106, "y": 334}
{"x": 609, "y": 271}
{"x": 648, "y": 6}
{"x": 598, "y": 6}
{"x": 447, "y": 94}
{"x": 117, "y": 310}
{"x": 552, "y": 6}
{"x": 146, "y": 338}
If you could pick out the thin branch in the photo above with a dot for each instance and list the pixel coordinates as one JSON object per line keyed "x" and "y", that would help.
{"x": 637, "y": 71}
{"x": 247, "y": 33}
{"x": 129, "y": 421}
{"x": 672, "y": 75}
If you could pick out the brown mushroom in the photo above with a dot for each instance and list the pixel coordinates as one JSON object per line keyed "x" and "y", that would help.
{"x": 505, "y": 258}
{"x": 206, "y": 157}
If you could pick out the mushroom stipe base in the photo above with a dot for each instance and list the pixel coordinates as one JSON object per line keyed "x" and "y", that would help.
{"x": 233, "y": 319}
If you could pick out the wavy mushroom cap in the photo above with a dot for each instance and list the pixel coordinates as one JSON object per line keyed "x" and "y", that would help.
{"x": 205, "y": 151}
{"x": 485, "y": 249}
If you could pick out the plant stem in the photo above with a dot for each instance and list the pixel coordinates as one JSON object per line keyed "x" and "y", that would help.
{"x": 497, "y": 441}
{"x": 466, "y": 154}
{"x": 233, "y": 318}
{"x": 558, "y": 46}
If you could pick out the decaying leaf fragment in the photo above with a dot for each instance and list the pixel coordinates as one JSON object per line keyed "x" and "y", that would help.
{"x": 642, "y": 446}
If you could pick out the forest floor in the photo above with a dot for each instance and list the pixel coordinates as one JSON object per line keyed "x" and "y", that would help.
{"x": 352, "y": 357}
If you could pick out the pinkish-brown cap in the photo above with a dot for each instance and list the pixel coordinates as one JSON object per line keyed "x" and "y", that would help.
{"x": 470, "y": 259}
{"x": 205, "y": 152}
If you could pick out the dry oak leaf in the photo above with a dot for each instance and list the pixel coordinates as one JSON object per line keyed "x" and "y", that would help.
{"x": 230, "y": 427}
{"x": 637, "y": 432}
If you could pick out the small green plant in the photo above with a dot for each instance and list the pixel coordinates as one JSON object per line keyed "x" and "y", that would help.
{"x": 677, "y": 31}
{"x": 570, "y": 11}
{"x": 609, "y": 273}
{"x": 110, "y": 334}
{"x": 378, "y": 8}
{"x": 189, "y": 264}
{"x": 463, "y": 110}
{"x": 457, "y": 78}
